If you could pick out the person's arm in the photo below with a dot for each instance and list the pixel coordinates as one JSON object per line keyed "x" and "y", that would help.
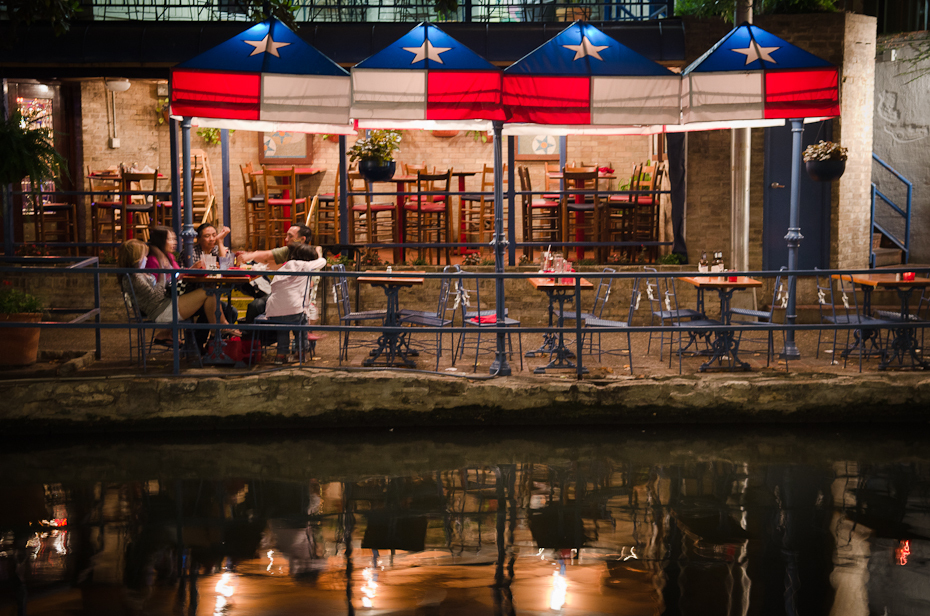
{"x": 257, "y": 256}
{"x": 219, "y": 241}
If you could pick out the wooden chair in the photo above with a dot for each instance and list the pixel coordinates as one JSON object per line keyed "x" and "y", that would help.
{"x": 56, "y": 222}
{"x": 139, "y": 201}
{"x": 285, "y": 209}
{"x": 476, "y": 211}
{"x": 620, "y": 211}
{"x": 646, "y": 210}
{"x": 377, "y": 221}
{"x": 254, "y": 208}
{"x": 105, "y": 208}
{"x": 433, "y": 217}
{"x": 581, "y": 213}
{"x": 542, "y": 218}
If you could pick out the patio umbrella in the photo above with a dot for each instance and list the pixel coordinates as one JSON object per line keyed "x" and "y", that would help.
{"x": 426, "y": 79}
{"x": 753, "y": 78}
{"x": 264, "y": 79}
{"x": 585, "y": 82}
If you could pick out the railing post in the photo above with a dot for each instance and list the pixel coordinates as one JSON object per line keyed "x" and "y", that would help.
{"x": 175, "y": 179}
{"x": 794, "y": 237}
{"x": 187, "y": 233}
{"x": 500, "y": 366}
{"x": 227, "y": 214}
{"x": 343, "y": 197}
{"x": 511, "y": 212}
{"x": 579, "y": 341}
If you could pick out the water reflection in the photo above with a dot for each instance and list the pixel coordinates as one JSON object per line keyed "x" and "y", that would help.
{"x": 613, "y": 525}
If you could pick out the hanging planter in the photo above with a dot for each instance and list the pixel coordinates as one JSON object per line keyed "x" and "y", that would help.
{"x": 825, "y": 170}
{"x": 825, "y": 161}
{"x": 444, "y": 134}
{"x": 376, "y": 171}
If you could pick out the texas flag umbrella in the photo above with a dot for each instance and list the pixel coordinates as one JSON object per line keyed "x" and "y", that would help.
{"x": 426, "y": 79}
{"x": 264, "y": 79}
{"x": 584, "y": 79}
{"x": 753, "y": 75}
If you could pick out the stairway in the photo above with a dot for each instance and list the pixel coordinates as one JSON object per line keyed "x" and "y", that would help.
{"x": 885, "y": 256}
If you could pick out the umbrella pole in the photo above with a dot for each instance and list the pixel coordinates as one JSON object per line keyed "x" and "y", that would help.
{"x": 500, "y": 366}
{"x": 187, "y": 233}
{"x": 794, "y": 237}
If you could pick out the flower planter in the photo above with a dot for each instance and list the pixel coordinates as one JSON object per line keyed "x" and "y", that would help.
{"x": 19, "y": 346}
{"x": 444, "y": 134}
{"x": 825, "y": 170}
{"x": 375, "y": 172}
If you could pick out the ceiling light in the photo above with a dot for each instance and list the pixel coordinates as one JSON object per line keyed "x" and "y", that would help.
{"x": 117, "y": 85}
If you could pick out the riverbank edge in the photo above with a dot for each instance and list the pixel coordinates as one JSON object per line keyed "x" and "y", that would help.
{"x": 313, "y": 398}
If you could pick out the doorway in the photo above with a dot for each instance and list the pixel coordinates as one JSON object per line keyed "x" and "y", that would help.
{"x": 814, "y": 205}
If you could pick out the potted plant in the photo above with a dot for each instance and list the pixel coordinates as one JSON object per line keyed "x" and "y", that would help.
{"x": 825, "y": 161}
{"x": 19, "y": 346}
{"x": 375, "y": 154}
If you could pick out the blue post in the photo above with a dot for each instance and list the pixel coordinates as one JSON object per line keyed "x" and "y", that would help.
{"x": 187, "y": 234}
{"x": 511, "y": 212}
{"x": 500, "y": 366}
{"x": 175, "y": 179}
{"x": 794, "y": 237}
{"x": 343, "y": 197}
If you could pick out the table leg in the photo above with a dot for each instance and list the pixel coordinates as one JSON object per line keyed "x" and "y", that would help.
{"x": 865, "y": 338}
{"x": 905, "y": 338}
{"x": 393, "y": 347}
{"x": 725, "y": 345}
{"x": 548, "y": 345}
{"x": 400, "y": 254}
{"x": 555, "y": 343}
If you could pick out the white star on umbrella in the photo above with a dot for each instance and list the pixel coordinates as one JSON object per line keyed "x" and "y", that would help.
{"x": 587, "y": 48}
{"x": 426, "y": 50}
{"x": 266, "y": 44}
{"x": 754, "y": 52}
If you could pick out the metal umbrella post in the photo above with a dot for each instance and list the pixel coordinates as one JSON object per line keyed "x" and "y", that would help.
{"x": 499, "y": 366}
{"x": 794, "y": 237}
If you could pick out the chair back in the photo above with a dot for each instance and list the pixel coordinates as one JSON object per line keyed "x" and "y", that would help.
{"x": 634, "y": 301}
{"x": 341, "y": 291}
{"x": 779, "y": 295}
{"x": 825, "y": 300}
{"x": 432, "y": 182}
{"x": 445, "y": 287}
{"x": 134, "y": 182}
{"x": 603, "y": 293}
{"x": 133, "y": 313}
{"x": 850, "y": 300}
{"x": 102, "y": 184}
{"x": 574, "y": 178}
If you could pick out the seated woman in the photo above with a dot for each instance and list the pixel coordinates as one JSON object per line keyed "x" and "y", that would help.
{"x": 163, "y": 242}
{"x": 290, "y": 295}
{"x": 209, "y": 242}
{"x": 154, "y": 299}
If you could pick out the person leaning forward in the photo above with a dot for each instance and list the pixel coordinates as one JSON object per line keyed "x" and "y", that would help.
{"x": 275, "y": 257}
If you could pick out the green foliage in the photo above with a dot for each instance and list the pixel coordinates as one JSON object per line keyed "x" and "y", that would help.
{"x": 283, "y": 10}
{"x": 211, "y": 136}
{"x": 419, "y": 262}
{"x": 824, "y": 150}
{"x": 618, "y": 258}
{"x": 472, "y": 258}
{"x": 161, "y": 109}
{"x": 588, "y": 262}
{"x": 371, "y": 259}
{"x": 14, "y": 301}
{"x": 57, "y": 13}
{"x": 672, "y": 258}
{"x": 489, "y": 260}
{"x": 479, "y": 135}
{"x": 27, "y": 150}
{"x": 339, "y": 260}
{"x": 727, "y": 8}
{"x": 379, "y": 146}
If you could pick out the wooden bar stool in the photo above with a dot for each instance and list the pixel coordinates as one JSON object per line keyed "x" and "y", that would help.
{"x": 56, "y": 222}
{"x": 433, "y": 221}
{"x": 282, "y": 206}
{"x": 105, "y": 208}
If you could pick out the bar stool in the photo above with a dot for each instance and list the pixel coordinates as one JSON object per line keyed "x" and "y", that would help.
{"x": 56, "y": 222}
{"x": 139, "y": 202}
{"x": 254, "y": 208}
{"x": 580, "y": 213}
{"x": 432, "y": 216}
{"x": 365, "y": 219}
{"x": 285, "y": 209}
{"x": 542, "y": 218}
{"x": 105, "y": 208}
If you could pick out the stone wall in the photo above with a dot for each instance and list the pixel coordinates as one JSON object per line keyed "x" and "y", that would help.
{"x": 901, "y": 132}
{"x": 846, "y": 40}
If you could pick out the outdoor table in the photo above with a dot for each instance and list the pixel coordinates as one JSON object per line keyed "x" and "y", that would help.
{"x": 725, "y": 344}
{"x": 579, "y": 216}
{"x": 461, "y": 175}
{"x": 559, "y": 290}
{"x": 393, "y": 347}
{"x": 905, "y": 338}
{"x": 217, "y": 284}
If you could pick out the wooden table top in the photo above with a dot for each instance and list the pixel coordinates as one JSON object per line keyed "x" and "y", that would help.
{"x": 297, "y": 170}
{"x": 215, "y": 276}
{"x": 388, "y": 280}
{"x": 559, "y": 283}
{"x": 883, "y": 280}
{"x": 721, "y": 282}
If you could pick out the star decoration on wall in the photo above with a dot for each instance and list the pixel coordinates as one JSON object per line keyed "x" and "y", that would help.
{"x": 266, "y": 44}
{"x": 754, "y": 52}
{"x": 426, "y": 50}
{"x": 587, "y": 48}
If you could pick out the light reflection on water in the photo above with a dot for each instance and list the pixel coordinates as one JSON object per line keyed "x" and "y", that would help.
{"x": 582, "y": 522}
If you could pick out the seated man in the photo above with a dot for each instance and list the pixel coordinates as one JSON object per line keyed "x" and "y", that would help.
{"x": 273, "y": 259}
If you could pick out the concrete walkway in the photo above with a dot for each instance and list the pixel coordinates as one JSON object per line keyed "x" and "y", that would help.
{"x": 84, "y": 395}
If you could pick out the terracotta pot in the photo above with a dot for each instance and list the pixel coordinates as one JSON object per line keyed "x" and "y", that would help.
{"x": 374, "y": 172}
{"x": 19, "y": 346}
{"x": 444, "y": 133}
{"x": 825, "y": 170}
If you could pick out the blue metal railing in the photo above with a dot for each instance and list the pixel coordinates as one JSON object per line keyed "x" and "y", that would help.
{"x": 575, "y": 332}
{"x": 892, "y": 215}
{"x": 316, "y": 11}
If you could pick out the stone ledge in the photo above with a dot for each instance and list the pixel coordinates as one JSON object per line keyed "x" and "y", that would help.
{"x": 318, "y": 398}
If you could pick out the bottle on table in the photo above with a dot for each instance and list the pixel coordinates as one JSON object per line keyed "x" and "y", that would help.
{"x": 702, "y": 265}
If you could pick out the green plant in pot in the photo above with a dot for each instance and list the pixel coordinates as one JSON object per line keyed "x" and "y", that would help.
{"x": 375, "y": 154}
{"x": 19, "y": 346}
{"x": 825, "y": 161}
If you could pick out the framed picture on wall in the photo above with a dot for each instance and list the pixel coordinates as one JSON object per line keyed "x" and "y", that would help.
{"x": 538, "y": 147}
{"x": 284, "y": 148}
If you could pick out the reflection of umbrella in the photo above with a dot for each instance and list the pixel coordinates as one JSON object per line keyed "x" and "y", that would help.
{"x": 264, "y": 79}
{"x": 422, "y": 78}
{"x": 582, "y": 78}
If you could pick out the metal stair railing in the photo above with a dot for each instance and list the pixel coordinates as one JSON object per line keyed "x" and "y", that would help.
{"x": 892, "y": 209}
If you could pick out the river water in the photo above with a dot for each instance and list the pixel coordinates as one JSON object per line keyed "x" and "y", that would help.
{"x": 805, "y": 521}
